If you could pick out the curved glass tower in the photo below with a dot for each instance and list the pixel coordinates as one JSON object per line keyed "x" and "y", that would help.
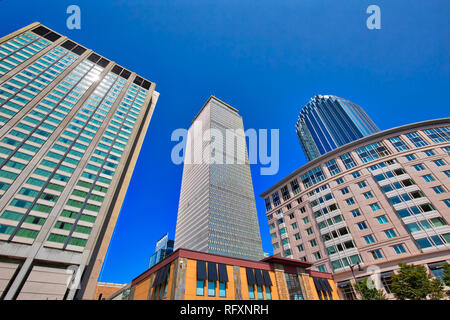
{"x": 328, "y": 122}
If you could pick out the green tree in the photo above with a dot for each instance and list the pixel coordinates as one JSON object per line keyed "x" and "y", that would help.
{"x": 413, "y": 282}
{"x": 446, "y": 273}
{"x": 437, "y": 289}
{"x": 369, "y": 291}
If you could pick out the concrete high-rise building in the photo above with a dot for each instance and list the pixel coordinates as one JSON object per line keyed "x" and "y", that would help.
{"x": 217, "y": 211}
{"x": 376, "y": 202}
{"x": 71, "y": 127}
{"x": 328, "y": 122}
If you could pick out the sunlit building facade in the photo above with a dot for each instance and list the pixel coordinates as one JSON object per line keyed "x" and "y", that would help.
{"x": 193, "y": 275}
{"x": 71, "y": 127}
{"x": 378, "y": 201}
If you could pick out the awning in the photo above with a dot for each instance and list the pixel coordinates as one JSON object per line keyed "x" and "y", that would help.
{"x": 259, "y": 277}
{"x": 318, "y": 284}
{"x": 223, "y": 275}
{"x": 343, "y": 284}
{"x": 386, "y": 274}
{"x": 436, "y": 265}
{"x": 266, "y": 276}
{"x": 212, "y": 271}
{"x": 161, "y": 275}
{"x": 250, "y": 276}
{"x": 322, "y": 284}
{"x": 201, "y": 270}
{"x": 326, "y": 285}
{"x": 156, "y": 282}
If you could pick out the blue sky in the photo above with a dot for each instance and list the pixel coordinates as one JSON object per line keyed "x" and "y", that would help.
{"x": 265, "y": 58}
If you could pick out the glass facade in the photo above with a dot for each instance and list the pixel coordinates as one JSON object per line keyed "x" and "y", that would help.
{"x": 328, "y": 122}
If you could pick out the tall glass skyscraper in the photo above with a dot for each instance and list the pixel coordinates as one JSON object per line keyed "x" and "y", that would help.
{"x": 328, "y": 122}
{"x": 71, "y": 127}
{"x": 217, "y": 211}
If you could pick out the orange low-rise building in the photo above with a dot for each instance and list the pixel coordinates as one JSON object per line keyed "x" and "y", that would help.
{"x": 106, "y": 289}
{"x": 193, "y": 275}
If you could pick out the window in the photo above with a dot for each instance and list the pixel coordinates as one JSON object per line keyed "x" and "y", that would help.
{"x": 447, "y": 202}
{"x": 447, "y": 173}
{"x": 428, "y": 178}
{"x": 222, "y": 289}
{"x": 356, "y": 174}
{"x": 211, "y": 288}
{"x": 410, "y": 157}
{"x": 333, "y": 167}
{"x": 350, "y": 201}
{"x": 300, "y": 248}
{"x": 374, "y": 206}
{"x": 387, "y": 281}
{"x": 295, "y": 186}
{"x": 312, "y": 177}
{"x": 423, "y": 243}
{"x": 376, "y": 254}
{"x": 268, "y": 293}
{"x": 285, "y": 193}
{"x": 362, "y": 184}
{"x": 306, "y": 220}
{"x": 321, "y": 268}
{"x": 200, "y": 287}
{"x": 362, "y": 225}
{"x": 313, "y": 243}
{"x": 439, "y": 162}
{"x": 346, "y": 287}
{"x": 438, "y": 189}
{"x": 372, "y": 151}
{"x": 259, "y": 290}
{"x": 276, "y": 199}
{"x": 369, "y": 239}
{"x": 438, "y": 135}
{"x": 251, "y": 292}
{"x": 419, "y": 167}
{"x": 309, "y": 231}
{"x": 348, "y": 161}
{"x": 382, "y": 219}
{"x": 429, "y": 153}
{"x": 390, "y": 233}
{"x": 268, "y": 204}
{"x": 398, "y": 144}
{"x": 293, "y": 284}
{"x": 339, "y": 181}
{"x": 294, "y": 226}
{"x": 344, "y": 190}
{"x": 368, "y": 195}
{"x": 317, "y": 255}
{"x": 356, "y": 213}
{"x": 416, "y": 139}
{"x": 297, "y": 236}
{"x": 399, "y": 249}
{"x": 437, "y": 270}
